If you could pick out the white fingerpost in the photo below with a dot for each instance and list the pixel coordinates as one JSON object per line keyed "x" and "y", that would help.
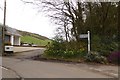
{"x": 88, "y": 42}
{"x": 86, "y": 36}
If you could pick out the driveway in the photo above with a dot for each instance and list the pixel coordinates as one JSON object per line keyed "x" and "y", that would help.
{"x": 28, "y": 53}
{"x": 23, "y": 49}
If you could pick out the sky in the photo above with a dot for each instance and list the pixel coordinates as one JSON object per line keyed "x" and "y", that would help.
{"x": 27, "y": 18}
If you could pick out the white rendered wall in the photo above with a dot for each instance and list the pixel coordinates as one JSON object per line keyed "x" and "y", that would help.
{"x": 16, "y": 40}
{"x": 12, "y": 40}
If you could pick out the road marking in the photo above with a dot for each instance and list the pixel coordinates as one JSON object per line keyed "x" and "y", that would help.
{"x": 113, "y": 74}
{"x": 96, "y": 69}
{"x": 18, "y": 76}
{"x": 4, "y": 68}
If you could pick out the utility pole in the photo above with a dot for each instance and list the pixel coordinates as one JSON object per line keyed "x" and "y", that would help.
{"x": 3, "y": 29}
{"x": 4, "y": 22}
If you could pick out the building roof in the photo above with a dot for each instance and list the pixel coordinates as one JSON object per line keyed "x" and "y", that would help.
{"x": 12, "y": 31}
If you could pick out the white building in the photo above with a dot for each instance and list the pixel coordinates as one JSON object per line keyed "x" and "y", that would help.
{"x": 12, "y": 36}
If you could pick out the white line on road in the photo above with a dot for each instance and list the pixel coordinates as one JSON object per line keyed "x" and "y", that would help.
{"x": 116, "y": 75}
{"x": 95, "y": 69}
{"x": 4, "y": 68}
{"x": 18, "y": 76}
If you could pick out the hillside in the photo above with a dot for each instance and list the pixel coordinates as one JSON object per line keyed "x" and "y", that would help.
{"x": 25, "y": 33}
{"x": 36, "y": 39}
{"x": 28, "y": 37}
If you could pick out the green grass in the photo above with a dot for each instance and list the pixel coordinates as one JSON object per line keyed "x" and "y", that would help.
{"x": 29, "y": 39}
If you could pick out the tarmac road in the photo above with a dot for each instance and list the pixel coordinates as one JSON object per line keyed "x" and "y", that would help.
{"x": 28, "y": 54}
{"x": 39, "y": 69}
{"x": 27, "y": 68}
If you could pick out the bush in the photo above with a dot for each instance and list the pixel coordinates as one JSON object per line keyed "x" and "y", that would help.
{"x": 65, "y": 54}
{"x": 61, "y": 49}
{"x": 114, "y": 57}
{"x": 73, "y": 54}
{"x": 54, "y": 53}
{"x": 95, "y": 57}
{"x": 58, "y": 49}
{"x": 7, "y": 43}
{"x": 103, "y": 45}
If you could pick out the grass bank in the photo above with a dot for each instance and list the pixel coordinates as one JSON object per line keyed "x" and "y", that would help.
{"x": 30, "y": 40}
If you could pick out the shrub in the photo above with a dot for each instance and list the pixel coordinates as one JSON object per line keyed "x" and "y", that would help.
{"x": 103, "y": 45}
{"x": 59, "y": 48}
{"x": 65, "y": 54}
{"x": 95, "y": 57}
{"x": 114, "y": 57}
{"x": 7, "y": 43}
{"x": 54, "y": 53}
{"x": 73, "y": 54}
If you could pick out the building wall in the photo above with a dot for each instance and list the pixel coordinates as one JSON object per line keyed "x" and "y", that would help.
{"x": 7, "y": 38}
{"x": 16, "y": 40}
{"x": 13, "y": 40}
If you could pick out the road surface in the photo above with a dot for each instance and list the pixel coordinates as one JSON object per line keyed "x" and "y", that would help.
{"x": 27, "y": 68}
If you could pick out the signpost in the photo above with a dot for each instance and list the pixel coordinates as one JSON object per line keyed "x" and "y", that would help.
{"x": 86, "y": 36}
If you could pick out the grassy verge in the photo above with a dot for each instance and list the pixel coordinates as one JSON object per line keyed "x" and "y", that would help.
{"x": 39, "y": 42}
{"x": 78, "y": 60}
{"x": 68, "y": 60}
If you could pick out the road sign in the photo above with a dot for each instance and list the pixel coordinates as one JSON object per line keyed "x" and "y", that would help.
{"x": 86, "y": 36}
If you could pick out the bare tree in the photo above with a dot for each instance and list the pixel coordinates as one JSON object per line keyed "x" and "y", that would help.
{"x": 74, "y": 17}
{"x": 63, "y": 14}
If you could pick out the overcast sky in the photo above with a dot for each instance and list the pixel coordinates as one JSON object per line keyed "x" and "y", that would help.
{"x": 24, "y": 17}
